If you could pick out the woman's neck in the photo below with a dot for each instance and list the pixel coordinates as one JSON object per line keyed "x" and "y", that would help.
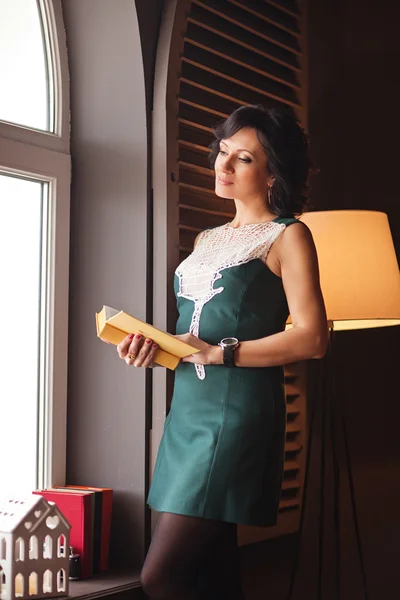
{"x": 246, "y": 216}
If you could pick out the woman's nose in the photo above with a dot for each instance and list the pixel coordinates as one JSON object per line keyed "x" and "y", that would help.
{"x": 226, "y": 165}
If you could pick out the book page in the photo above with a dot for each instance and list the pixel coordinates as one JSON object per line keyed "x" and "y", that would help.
{"x": 110, "y": 312}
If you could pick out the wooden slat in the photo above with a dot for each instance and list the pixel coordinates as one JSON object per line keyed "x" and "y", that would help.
{"x": 186, "y": 249}
{"x": 207, "y": 211}
{"x": 292, "y": 447}
{"x": 194, "y": 146}
{"x": 288, "y": 504}
{"x": 292, "y": 409}
{"x": 243, "y": 57}
{"x": 203, "y": 220}
{"x": 245, "y": 39}
{"x": 190, "y": 132}
{"x": 198, "y": 117}
{"x": 240, "y": 18}
{"x": 291, "y": 465}
{"x": 218, "y": 85}
{"x": 291, "y": 484}
{"x": 196, "y": 188}
{"x": 196, "y": 168}
{"x": 195, "y": 158}
{"x": 195, "y": 124}
{"x": 241, "y": 76}
{"x": 283, "y": 5}
{"x": 205, "y": 200}
{"x": 204, "y": 98}
{"x": 291, "y": 390}
{"x": 189, "y": 228}
{"x": 205, "y": 182}
{"x": 270, "y": 15}
{"x": 291, "y": 370}
{"x": 292, "y": 428}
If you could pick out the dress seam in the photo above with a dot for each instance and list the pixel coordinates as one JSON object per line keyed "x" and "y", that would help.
{"x": 159, "y": 458}
{"x": 224, "y": 413}
{"x": 225, "y": 410}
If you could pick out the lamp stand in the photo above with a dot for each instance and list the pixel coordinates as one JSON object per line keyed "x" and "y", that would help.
{"x": 333, "y": 429}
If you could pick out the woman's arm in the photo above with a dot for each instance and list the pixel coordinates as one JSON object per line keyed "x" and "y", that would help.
{"x": 308, "y": 337}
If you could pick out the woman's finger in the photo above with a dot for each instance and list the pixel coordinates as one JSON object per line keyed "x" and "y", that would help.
{"x": 150, "y": 356}
{"x": 142, "y": 353}
{"x": 134, "y": 349}
{"x": 123, "y": 346}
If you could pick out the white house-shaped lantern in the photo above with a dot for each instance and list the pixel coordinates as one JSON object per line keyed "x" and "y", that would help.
{"x": 34, "y": 549}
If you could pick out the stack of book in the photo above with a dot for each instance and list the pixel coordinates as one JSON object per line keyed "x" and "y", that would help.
{"x": 88, "y": 510}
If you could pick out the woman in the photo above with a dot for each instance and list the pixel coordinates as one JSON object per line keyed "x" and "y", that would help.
{"x": 220, "y": 461}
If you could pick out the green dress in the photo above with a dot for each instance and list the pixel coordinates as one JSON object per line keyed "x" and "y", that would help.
{"x": 222, "y": 451}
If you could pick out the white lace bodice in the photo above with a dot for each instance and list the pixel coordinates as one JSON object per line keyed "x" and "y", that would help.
{"x": 218, "y": 249}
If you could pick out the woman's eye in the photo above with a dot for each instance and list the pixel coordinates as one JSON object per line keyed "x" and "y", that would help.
{"x": 245, "y": 160}
{"x": 222, "y": 152}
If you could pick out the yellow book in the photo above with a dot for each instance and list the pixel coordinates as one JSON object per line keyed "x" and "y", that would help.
{"x": 114, "y": 325}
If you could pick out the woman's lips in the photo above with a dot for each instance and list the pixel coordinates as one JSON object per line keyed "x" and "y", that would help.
{"x": 224, "y": 181}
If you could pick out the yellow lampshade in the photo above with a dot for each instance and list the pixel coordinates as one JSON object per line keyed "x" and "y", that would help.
{"x": 360, "y": 277}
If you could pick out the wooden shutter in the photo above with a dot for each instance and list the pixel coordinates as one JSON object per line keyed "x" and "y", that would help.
{"x": 236, "y": 53}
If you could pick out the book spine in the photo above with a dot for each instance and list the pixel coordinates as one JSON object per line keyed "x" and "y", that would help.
{"x": 106, "y": 529}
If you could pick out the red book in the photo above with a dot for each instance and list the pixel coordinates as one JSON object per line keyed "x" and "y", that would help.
{"x": 77, "y": 509}
{"x": 106, "y": 512}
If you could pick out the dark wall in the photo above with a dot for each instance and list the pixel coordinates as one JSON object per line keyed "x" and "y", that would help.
{"x": 354, "y": 54}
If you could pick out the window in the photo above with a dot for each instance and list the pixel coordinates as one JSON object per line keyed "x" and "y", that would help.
{"x": 34, "y": 244}
{"x": 25, "y": 66}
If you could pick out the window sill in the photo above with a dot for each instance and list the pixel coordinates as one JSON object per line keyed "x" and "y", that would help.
{"x": 107, "y": 584}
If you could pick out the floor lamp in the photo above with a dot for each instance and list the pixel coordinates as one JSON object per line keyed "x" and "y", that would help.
{"x": 361, "y": 286}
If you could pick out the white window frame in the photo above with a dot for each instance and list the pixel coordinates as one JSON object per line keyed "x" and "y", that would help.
{"x": 45, "y": 156}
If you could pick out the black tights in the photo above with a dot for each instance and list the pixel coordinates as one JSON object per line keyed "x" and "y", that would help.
{"x": 191, "y": 558}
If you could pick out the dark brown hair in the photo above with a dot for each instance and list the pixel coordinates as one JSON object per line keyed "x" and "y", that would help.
{"x": 286, "y": 145}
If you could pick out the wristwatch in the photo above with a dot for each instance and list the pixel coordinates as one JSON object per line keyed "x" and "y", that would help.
{"x": 229, "y": 346}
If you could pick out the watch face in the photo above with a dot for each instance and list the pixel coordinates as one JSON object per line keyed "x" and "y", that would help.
{"x": 230, "y": 341}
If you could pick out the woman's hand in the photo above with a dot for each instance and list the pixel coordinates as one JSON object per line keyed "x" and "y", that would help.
{"x": 208, "y": 355}
{"x": 137, "y": 351}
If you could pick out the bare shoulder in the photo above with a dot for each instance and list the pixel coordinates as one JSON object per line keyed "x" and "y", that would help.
{"x": 297, "y": 237}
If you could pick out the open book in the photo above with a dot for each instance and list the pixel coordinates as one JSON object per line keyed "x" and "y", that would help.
{"x": 114, "y": 325}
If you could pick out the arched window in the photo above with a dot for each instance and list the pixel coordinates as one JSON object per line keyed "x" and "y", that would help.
{"x": 34, "y": 204}
{"x": 26, "y": 56}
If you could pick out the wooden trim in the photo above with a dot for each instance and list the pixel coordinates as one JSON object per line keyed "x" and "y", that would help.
{"x": 264, "y": 18}
{"x": 165, "y": 193}
{"x": 247, "y": 28}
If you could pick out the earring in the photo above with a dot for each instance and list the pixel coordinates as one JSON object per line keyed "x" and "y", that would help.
{"x": 269, "y": 194}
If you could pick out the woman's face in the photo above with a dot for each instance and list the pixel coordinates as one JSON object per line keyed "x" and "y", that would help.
{"x": 241, "y": 167}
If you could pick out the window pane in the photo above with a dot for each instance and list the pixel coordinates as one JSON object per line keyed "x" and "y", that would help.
{"x": 21, "y": 207}
{"x": 24, "y": 97}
